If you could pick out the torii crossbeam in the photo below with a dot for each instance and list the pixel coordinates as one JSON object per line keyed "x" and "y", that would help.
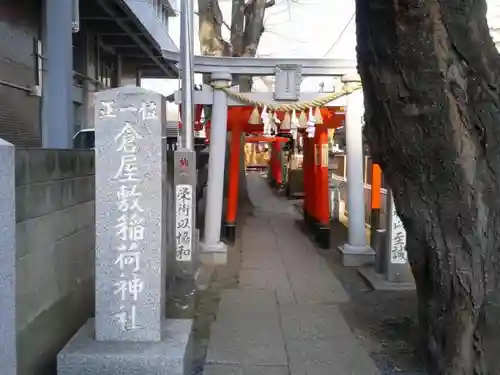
{"x": 267, "y": 66}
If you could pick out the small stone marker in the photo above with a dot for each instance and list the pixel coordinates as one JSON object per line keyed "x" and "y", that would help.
{"x": 398, "y": 238}
{"x": 398, "y": 268}
{"x": 185, "y": 212}
{"x": 130, "y": 271}
{"x": 184, "y": 222}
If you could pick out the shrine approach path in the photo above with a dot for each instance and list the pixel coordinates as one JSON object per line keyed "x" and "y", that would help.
{"x": 283, "y": 317}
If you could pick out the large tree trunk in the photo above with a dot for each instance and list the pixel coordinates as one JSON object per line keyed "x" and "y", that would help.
{"x": 430, "y": 78}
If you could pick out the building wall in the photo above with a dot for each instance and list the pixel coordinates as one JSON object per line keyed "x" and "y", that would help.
{"x": 19, "y": 112}
{"x": 55, "y": 237}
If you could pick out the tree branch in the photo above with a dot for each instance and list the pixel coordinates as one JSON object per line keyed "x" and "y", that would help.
{"x": 224, "y": 23}
{"x": 237, "y": 26}
{"x": 250, "y": 3}
{"x": 270, "y": 3}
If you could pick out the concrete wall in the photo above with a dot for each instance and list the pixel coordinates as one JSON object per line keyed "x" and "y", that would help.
{"x": 55, "y": 252}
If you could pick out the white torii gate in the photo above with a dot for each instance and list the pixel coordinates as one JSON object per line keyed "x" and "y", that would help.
{"x": 288, "y": 74}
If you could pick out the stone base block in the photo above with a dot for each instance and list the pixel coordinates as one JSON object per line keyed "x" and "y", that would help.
{"x": 85, "y": 356}
{"x": 379, "y": 281}
{"x": 204, "y": 276}
{"x": 213, "y": 254}
{"x": 319, "y": 232}
{"x": 230, "y": 232}
{"x": 356, "y": 256}
{"x": 322, "y": 236}
{"x": 308, "y": 221}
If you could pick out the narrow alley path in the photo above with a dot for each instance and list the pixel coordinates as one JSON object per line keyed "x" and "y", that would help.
{"x": 283, "y": 318}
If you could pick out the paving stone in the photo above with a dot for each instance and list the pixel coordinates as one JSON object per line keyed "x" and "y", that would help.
{"x": 248, "y": 341}
{"x": 253, "y": 243}
{"x": 322, "y": 357}
{"x": 259, "y": 275}
{"x": 276, "y": 281}
{"x": 246, "y": 303}
{"x": 313, "y": 322}
{"x": 244, "y": 370}
{"x": 260, "y": 259}
{"x": 318, "y": 293}
{"x": 316, "y": 284}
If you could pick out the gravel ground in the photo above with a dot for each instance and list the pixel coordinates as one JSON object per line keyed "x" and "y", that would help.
{"x": 385, "y": 321}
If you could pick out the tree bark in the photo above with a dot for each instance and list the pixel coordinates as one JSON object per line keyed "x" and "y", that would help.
{"x": 430, "y": 78}
{"x": 210, "y": 29}
{"x": 238, "y": 26}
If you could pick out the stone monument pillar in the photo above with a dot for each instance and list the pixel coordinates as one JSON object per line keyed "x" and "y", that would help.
{"x": 392, "y": 270}
{"x": 212, "y": 249}
{"x": 130, "y": 330}
{"x": 8, "y": 333}
{"x": 356, "y": 252}
{"x": 397, "y": 266}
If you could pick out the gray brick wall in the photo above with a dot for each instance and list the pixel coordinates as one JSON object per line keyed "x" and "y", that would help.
{"x": 19, "y": 112}
{"x": 55, "y": 252}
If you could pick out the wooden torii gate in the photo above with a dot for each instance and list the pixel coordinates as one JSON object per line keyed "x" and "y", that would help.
{"x": 287, "y": 97}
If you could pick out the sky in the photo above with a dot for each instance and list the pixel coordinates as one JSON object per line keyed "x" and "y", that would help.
{"x": 298, "y": 29}
{"x": 294, "y": 28}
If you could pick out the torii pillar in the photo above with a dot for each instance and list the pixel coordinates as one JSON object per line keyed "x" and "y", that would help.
{"x": 233, "y": 181}
{"x": 356, "y": 251}
{"x": 213, "y": 250}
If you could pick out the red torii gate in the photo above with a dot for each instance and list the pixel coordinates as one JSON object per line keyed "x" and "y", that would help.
{"x": 316, "y": 205}
{"x": 315, "y": 167}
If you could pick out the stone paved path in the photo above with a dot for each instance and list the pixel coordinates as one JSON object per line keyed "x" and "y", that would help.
{"x": 283, "y": 319}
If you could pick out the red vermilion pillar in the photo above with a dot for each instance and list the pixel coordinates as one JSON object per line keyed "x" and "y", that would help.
{"x": 208, "y": 128}
{"x": 376, "y": 201}
{"x": 233, "y": 182}
{"x": 274, "y": 164}
{"x": 321, "y": 201}
{"x": 279, "y": 163}
{"x": 309, "y": 179}
{"x": 305, "y": 171}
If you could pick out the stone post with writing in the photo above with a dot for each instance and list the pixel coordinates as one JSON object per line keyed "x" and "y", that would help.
{"x": 130, "y": 328}
{"x": 130, "y": 269}
{"x": 397, "y": 269}
{"x": 186, "y": 252}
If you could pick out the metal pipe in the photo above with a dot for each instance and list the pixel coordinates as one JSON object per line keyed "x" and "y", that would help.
{"x": 14, "y": 86}
{"x": 84, "y": 77}
{"x": 39, "y": 64}
{"x": 187, "y": 72}
{"x": 75, "y": 23}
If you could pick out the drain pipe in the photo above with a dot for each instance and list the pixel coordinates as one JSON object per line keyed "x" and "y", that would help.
{"x": 76, "y": 17}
